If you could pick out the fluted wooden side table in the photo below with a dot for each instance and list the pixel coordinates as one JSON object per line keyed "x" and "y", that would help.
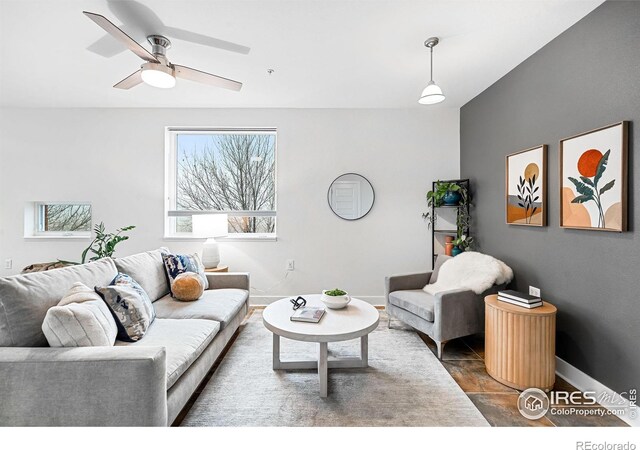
{"x": 520, "y": 344}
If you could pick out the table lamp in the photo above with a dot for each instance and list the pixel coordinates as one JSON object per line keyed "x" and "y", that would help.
{"x": 210, "y": 226}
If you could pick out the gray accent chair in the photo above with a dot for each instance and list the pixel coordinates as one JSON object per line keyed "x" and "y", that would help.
{"x": 444, "y": 316}
{"x": 144, "y": 383}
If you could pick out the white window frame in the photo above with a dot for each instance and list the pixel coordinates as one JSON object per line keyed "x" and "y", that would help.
{"x": 33, "y": 220}
{"x": 170, "y": 184}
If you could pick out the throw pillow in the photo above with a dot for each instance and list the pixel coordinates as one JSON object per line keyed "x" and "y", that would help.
{"x": 188, "y": 287}
{"x": 130, "y": 305}
{"x": 177, "y": 264}
{"x": 81, "y": 319}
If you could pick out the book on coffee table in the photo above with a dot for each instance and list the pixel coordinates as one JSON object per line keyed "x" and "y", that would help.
{"x": 308, "y": 314}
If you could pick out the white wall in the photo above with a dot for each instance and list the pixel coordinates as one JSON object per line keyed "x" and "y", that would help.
{"x": 115, "y": 159}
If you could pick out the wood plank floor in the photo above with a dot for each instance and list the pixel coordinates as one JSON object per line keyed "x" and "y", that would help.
{"x": 464, "y": 360}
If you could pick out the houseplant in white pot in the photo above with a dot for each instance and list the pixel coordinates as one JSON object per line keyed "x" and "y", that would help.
{"x": 335, "y": 298}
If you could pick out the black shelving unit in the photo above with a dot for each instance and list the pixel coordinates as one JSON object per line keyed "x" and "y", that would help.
{"x": 439, "y": 233}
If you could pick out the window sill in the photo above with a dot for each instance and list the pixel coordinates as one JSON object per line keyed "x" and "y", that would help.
{"x": 224, "y": 239}
{"x": 40, "y": 238}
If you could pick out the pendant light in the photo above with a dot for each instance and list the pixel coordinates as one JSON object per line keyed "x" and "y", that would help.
{"x": 432, "y": 94}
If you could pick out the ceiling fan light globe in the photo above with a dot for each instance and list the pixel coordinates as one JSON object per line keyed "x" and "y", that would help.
{"x": 157, "y": 75}
{"x": 431, "y": 95}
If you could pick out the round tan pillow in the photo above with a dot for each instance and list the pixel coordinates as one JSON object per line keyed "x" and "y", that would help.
{"x": 187, "y": 287}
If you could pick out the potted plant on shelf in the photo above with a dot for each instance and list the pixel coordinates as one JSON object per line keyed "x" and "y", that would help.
{"x": 448, "y": 193}
{"x": 461, "y": 244}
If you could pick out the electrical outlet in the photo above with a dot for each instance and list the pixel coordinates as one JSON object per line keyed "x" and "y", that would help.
{"x": 8, "y": 263}
{"x": 534, "y": 291}
{"x": 291, "y": 264}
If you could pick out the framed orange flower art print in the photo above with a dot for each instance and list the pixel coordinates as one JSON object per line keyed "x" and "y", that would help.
{"x": 593, "y": 179}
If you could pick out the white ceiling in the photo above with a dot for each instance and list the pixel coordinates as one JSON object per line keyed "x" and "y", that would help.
{"x": 325, "y": 53}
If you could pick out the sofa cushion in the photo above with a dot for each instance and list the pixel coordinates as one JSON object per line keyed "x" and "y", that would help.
{"x": 81, "y": 319}
{"x": 220, "y": 305}
{"x": 147, "y": 269}
{"x": 130, "y": 306}
{"x": 440, "y": 260}
{"x": 415, "y": 301}
{"x": 184, "y": 341}
{"x": 25, "y": 299}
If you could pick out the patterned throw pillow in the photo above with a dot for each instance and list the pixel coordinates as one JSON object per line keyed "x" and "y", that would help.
{"x": 177, "y": 264}
{"x": 130, "y": 306}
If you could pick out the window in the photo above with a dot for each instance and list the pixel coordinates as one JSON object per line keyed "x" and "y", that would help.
{"x": 230, "y": 171}
{"x": 57, "y": 219}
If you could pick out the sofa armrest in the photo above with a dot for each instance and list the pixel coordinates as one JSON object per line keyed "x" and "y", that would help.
{"x": 458, "y": 313}
{"x": 406, "y": 282}
{"x": 229, "y": 280}
{"x": 83, "y": 386}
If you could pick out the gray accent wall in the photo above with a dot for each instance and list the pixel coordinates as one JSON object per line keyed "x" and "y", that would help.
{"x": 587, "y": 77}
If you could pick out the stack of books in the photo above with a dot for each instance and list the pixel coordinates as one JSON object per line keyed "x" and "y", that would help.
{"x": 519, "y": 299}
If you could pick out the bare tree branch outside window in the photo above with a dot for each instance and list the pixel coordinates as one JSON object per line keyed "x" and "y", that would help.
{"x": 234, "y": 172}
{"x": 66, "y": 217}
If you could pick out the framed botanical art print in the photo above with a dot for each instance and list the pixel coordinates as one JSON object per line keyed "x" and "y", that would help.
{"x": 593, "y": 179}
{"x": 526, "y": 187}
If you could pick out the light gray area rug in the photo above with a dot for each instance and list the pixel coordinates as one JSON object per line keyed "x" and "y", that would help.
{"x": 404, "y": 385}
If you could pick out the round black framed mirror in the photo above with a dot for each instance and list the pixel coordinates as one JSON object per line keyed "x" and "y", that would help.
{"x": 351, "y": 196}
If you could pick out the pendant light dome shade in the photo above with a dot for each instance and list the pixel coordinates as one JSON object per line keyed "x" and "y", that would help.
{"x": 432, "y": 94}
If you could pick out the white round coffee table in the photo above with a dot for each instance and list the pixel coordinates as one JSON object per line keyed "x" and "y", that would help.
{"x": 356, "y": 320}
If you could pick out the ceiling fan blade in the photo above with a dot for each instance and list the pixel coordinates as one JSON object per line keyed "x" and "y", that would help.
{"x": 203, "y": 77}
{"x": 197, "y": 38}
{"x": 132, "y": 80}
{"x": 121, "y": 36}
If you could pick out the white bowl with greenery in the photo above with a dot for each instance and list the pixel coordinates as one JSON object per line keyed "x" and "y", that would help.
{"x": 335, "y": 298}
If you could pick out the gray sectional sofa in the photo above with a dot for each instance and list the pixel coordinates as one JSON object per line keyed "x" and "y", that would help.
{"x": 144, "y": 383}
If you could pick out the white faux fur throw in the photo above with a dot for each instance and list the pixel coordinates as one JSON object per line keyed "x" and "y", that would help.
{"x": 470, "y": 270}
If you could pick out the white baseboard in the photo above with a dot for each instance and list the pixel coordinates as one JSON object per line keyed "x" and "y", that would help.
{"x": 263, "y": 300}
{"x": 584, "y": 382}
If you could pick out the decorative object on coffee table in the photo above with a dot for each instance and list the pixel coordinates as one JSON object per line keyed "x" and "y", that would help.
{"x": 187, "y": 287}
{"x": 356, "y": 321}
{"x": 526, "y": 187}
{"x": 593, "y": 179}
{"x": 520, "y": 344}
{"x": 335, "y": 298}
{"x": 210, "y": 226}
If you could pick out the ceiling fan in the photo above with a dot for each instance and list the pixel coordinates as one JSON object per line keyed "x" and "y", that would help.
{"x": 157, "y": 71}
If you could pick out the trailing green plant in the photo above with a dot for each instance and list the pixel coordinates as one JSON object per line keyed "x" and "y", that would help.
{"x": 435, "y": 199}
{"x": 104, "y": 244}
{"x": 336, "y": 293}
